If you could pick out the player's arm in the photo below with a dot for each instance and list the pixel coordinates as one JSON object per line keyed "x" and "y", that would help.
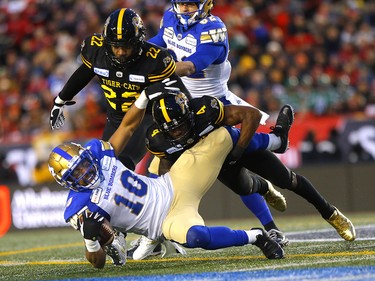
{"x": 249, "y": 119}
{"x": 129, "y": 124}
{"x": 135, "y": 115}
{"x": 97, "y": 259}
{"x": 79, "y": 79}
{"x": 205, "y": 55}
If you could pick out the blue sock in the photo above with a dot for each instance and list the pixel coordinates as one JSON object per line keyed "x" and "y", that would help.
{"x": 259, "y": 141}
{"x": 258, "y": 206}
{"x": 214, "y": 237}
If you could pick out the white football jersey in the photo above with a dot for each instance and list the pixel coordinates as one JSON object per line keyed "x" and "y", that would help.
{"x": 133, "y": 203}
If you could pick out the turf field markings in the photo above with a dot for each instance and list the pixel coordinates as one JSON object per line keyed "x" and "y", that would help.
{"x": 324, "y": 255}
{"x": 39, "y": 249}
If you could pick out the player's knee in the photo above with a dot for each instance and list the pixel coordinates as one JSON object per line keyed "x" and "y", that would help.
{"x": 198, "y": 236}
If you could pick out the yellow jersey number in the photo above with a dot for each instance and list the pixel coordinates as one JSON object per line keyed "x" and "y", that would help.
{"x": 129, "y": 96}
{"x": 96, "y": 40}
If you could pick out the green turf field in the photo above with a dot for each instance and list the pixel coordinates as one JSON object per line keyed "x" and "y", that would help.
{"x": 59, "y": 253}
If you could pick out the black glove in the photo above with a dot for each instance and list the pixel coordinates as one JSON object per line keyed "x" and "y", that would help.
{"x": 90, "y": 225}
{"x": 234, "y": 155}
{"x": 57, "y": 118}
{"x": 160, "y": 88}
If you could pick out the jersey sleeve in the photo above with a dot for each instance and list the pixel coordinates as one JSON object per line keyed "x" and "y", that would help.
{"x": 89, "y": 49}
{"x": 165, "y": 64}
{"x": 209, "y": 109}
{"x": 213, "y": 47}
{"x": 155, "y": 142}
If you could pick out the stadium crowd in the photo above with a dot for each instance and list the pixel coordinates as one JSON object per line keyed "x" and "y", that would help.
{"x": 317, "y": 55}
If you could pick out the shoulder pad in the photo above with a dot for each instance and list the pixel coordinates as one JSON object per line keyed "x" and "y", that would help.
{"x": 163, "y": 63}
{"x": 89, "y": 48}
{"x": 106, "y": 145}
{"x": 214, "y": 35}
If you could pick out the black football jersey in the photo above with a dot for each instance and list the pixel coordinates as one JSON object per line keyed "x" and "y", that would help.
{"x": 122, "y": 86}
{"x": 208, "y": 116}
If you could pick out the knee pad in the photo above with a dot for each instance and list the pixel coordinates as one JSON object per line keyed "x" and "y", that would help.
{"x": 198, "y": 236}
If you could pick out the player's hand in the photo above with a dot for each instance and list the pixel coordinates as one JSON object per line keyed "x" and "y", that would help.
{"x": 57, "y": 115}
{"x": 90, "y": 225}
{"x": 158, "y": 89}
{"x": 234, "y": 155}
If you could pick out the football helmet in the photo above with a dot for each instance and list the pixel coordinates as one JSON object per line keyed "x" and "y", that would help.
{"x": 188, "y": 19}
{"x": 74, "y": 167}
{"x": 124, "y": 28}
{"x": 174, "y": 118}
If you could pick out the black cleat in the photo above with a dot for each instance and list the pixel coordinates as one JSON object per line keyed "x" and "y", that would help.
{"x": 279, "y": 237}
{"x": 270, "y": 248}
{"x": 281, "y": 129}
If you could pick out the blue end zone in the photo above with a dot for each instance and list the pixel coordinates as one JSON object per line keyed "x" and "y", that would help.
{"x": 357, "y": 273}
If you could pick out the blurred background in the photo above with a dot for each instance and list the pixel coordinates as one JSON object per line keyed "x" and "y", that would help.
{"x": 318, "y": 56}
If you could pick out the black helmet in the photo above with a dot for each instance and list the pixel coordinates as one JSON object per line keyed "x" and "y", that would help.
{"x": 124, "y": 28}
{"x": 174, "y": 118}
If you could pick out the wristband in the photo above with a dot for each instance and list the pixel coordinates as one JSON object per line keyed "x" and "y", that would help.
{"x": 142, "y": 101}
{"x": 92, "y": 246}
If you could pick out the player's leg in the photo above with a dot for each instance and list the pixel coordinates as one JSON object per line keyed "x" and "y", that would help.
{"x": 183, "y": 223}
{"x": 192, "y": 175}
{"x": 267, "y": 165}
{"x": 218, "y": 237}
{"x": 250, "y": 187}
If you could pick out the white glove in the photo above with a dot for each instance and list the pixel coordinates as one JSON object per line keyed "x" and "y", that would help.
{"x": 57, "y": 118}
{"x": 159, "y": 88}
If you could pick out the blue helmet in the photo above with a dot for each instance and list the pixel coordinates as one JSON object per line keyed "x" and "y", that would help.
{"x": 187, "y": 19}
{"x": 74, "y": 167}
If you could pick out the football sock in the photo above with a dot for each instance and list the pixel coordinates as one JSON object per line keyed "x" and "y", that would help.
{"x": 215, "y": 237}
{"x": 258, "y": 206}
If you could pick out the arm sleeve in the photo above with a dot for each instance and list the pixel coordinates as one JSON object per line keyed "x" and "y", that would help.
{"x": 79, "y": 79}
{"x": 206, "y": 55}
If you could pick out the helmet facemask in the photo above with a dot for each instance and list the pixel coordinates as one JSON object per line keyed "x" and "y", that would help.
{"x": 174, "y": 119}
{"x": 74, "y": 167}
{"x": 204, "y": 8}
{"x": 180, "y": 132}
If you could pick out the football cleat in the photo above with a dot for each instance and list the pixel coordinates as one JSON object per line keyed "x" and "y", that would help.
{"x": 274, "y": 198}
{"x": 143, "y": 248}
{"x": 281, "y": 129}
{"x": 170, "y": 248}
{"x": 279, "y": 237}
{"x": 343, "y": 225}
{"x": 117, "y": 249}
{"x": 270, "y": 248}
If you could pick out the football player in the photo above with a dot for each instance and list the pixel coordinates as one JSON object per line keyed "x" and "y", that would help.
{"x": 198, "y": 42}
{"x": 166, "y": 206}
{"x": 174, "y": 131}
{"x": 125, "y": 64}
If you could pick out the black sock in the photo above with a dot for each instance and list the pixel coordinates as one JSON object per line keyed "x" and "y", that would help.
{"x": 270, "y": 225}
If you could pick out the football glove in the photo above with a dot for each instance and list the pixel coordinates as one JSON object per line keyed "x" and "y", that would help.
{"x": 57, "y": 115}
{"x": 159, "y": 88}
{"x": 90, "y": 225}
